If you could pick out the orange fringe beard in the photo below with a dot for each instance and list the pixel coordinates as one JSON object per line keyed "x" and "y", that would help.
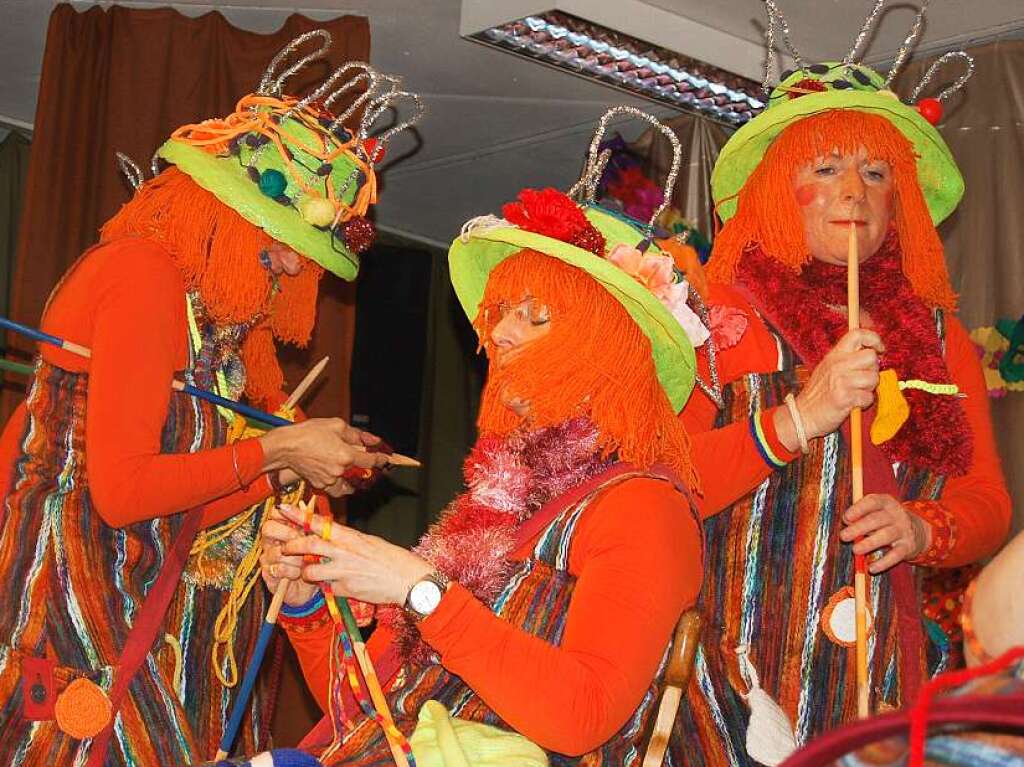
{"x": 768, "y": 213}
{"x": 595, "y": 361}
{"x": 217, "y": 252}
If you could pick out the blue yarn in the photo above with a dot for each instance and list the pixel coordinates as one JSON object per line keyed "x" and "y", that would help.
{"x": 291, "y": 757}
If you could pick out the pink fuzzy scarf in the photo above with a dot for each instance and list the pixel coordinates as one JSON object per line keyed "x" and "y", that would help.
{"x": 936, "y": 436}
{"x": 507, "y": 480}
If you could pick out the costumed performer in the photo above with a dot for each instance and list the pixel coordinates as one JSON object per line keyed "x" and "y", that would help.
{"x": 543, "y": 600}
{"x": 105, "y": 656}
{"x": 834, "y": 149}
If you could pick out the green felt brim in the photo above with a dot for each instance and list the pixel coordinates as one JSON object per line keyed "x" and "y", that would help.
{"x": 937, "y": 172}
{"x": 227, "y": 180}
{"x": 471, "y": 262}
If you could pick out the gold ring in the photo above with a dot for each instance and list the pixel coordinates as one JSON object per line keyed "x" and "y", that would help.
{"x": 273, "y": 570}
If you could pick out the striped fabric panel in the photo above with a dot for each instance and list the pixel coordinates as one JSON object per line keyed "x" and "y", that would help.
{"x": 77, "y": 587}
{"x": 776, "y": 552}
{"x": 536, "y": 599}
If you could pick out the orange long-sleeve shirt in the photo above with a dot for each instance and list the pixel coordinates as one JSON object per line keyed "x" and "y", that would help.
{"x": 637, "y": 558}
{"x": 977, "y": 499}
{"x": 125, "y": 300}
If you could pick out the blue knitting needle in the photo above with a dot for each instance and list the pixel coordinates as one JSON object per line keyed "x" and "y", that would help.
{"x": 71, "y": 346}
{"x": 397, "y": 459}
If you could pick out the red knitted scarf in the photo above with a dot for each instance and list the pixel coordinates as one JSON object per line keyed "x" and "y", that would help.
{"x": 936, "y": 436}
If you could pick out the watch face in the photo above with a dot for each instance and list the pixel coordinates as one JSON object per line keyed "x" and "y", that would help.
{"x": 425, "y": 597}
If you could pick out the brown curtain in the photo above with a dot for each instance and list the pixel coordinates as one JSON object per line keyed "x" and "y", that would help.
{"x": 122, "y": 79}
{"x": 984, "y": 127}
{"x": 701, "y": 140}
{"x": 14, "y": 153}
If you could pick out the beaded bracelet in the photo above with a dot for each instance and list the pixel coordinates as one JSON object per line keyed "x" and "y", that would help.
{"x": 798, "y": 423}
{"x": 234, "y": 464}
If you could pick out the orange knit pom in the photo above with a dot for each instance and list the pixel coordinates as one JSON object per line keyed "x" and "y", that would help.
{"x": 595, "y": 361}
{"x": 768, "y": 214}
{"x": 82, "y": 710}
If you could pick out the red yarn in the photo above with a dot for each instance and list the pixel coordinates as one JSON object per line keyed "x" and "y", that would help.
{"x": 553, "y": 214}
{"x": 919, "y": 713}
{"x": 936, "y": 436}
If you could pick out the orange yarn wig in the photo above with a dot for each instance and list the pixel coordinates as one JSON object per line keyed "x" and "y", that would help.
{"x": 594, "y": 361}
{"x": 768, "y": 213}
{"x": 218, "y": 253}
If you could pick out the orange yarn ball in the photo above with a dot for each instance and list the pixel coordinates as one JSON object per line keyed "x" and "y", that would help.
{"x": 82, "y": 710}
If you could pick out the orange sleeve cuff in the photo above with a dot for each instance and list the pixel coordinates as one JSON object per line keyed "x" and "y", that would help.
{"x": 443, "y": 627}
{"x": 766, "y": 439}
{"x": 246, "y": 461}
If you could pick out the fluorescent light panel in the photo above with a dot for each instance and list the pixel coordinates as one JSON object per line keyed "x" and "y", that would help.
{"x": 642, "y": 69}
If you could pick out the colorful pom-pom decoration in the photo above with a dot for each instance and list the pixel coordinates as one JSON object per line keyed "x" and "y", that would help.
{"x": 317, "y": 211}
{"x": 839, "y": 618}
{"x": 273, "y": 183}
{"x": 359, "y": 234}
{"x": 930, "y": 110}
{"x": 82, "y": 710}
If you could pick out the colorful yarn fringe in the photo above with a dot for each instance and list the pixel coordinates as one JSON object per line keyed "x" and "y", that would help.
{"x": 225, "y": 665}
{"x": 345, "y": 665}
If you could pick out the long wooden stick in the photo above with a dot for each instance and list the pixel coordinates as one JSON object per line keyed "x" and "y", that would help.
{"x": 395, "y": 459}
{"x": 270, "y": 620}
{"x": 860, "y": 570}
{"x": 307, "y": 381}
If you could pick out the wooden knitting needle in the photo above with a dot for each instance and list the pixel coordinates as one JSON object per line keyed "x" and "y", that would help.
{"x": 373, "y": 684}
{"x": 860, "y": 570}
{"x": 396, "y": 459}
{"x": 305, "y": 383}
{"x": 269, "y": 621}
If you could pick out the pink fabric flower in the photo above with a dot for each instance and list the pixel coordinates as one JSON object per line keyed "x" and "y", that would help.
{"x": 656, "y": 272}
{"x": 728, "y": 324}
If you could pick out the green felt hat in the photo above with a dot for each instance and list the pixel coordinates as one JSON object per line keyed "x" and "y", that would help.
{"x": 481, "y": 248}
{"x": 837, "y": 86}
{"x": 289, "y": 166}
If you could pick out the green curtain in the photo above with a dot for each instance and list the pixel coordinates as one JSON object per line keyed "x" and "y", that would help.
{"x": 14, "y": 150}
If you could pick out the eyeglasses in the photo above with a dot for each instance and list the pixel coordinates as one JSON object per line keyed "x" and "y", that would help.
{"x": 528, "y": 310}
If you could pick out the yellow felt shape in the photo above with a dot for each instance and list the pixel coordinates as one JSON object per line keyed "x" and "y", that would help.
{"x": 893, "y": 410}
{"x": 443, "y": 741}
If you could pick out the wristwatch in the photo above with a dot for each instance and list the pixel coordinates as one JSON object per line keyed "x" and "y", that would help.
{"x": 425, "y": 595}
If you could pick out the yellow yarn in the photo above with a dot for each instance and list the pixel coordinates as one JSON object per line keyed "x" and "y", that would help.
{"x": 225, "y": 666}
{"x": 175, "y": 645}
{"x": 893, "y": 409}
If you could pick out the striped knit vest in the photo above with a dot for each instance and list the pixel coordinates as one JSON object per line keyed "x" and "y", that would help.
{"x": 774, "y": 562}
{"x": 536, "y": 599}
{"x": 72, "y": 585}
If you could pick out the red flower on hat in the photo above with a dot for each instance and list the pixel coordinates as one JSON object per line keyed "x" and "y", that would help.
{"x": 809, "y": 84}
{"x": 554, "y": 214}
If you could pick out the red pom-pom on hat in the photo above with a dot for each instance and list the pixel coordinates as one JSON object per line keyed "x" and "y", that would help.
{"x": 553, "y": 214}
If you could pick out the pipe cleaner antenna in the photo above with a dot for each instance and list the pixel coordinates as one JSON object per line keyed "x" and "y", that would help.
{"x": 908, "y": 44}
{"x": 776, "y": 17}
{"x": 865, "y": 32}
{"x": 585, "y": 189}
{"x": 272, "y": 82}
{"x": 130, "y": 170}
{"x": 936, "y": 65}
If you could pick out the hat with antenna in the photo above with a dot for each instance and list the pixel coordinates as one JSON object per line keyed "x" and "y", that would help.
{"x": 814, "y": 88}
{"x": 289, "y": 165}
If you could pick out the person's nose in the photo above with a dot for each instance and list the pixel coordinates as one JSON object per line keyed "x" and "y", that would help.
{"x": 291, "y": 262}
{"x": 851, "y": 186}
{"x": 503, "y": 334}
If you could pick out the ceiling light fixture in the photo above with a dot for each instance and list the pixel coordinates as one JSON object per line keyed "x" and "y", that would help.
{"x": 642, "y": 69}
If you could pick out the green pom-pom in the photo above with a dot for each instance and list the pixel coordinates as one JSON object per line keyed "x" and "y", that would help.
{"x": 273, "y": 183}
